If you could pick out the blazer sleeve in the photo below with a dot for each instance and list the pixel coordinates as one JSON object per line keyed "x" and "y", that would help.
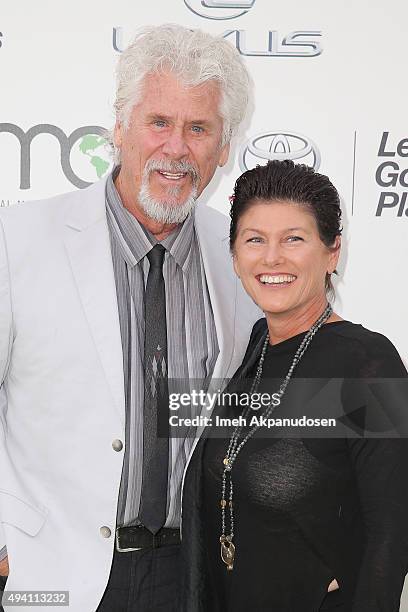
{"x": 6, "y": 338}
{"x": 381, "y": 470}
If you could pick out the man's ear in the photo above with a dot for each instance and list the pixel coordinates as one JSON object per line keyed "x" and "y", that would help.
{"x": 224, "y": 155}
{"x": 117, "y": 134}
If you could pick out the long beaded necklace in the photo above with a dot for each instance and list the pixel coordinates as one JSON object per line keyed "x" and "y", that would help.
{"x": 237, "y": 442}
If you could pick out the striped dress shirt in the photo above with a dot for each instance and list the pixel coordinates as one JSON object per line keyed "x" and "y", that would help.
{"x": 191, "y": 339}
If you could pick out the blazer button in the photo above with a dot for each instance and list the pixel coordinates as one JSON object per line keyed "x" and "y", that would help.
{"x": 117, "y": 445}
{"x": 105, "y": 532}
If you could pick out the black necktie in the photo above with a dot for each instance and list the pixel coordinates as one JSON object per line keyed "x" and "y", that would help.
{"x": 153, "y": 501}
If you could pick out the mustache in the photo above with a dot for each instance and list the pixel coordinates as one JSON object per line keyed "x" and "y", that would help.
{"x": 168, "y": 165}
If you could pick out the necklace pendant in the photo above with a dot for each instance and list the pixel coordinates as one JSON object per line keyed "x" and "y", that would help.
{"x": 227, "y": 551}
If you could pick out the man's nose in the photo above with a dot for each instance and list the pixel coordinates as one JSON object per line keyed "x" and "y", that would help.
{"x": 175, "y": 145}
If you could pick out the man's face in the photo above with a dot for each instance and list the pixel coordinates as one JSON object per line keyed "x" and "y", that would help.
{"x": 171, "y": 148}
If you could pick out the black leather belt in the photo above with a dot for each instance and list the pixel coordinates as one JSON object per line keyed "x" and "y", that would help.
{"x": 139, "y": 537}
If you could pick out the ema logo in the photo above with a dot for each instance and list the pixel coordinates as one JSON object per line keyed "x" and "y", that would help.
{"x": 219, "y": 9}
{"x": 278, "y": 145}
{"x": 84, "y": 153}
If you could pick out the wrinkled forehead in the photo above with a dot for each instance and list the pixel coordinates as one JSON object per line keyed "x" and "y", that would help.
{"x": 277, "y": 208}
{"x": 166, "y": 90}
{"x": 276, "y": 216}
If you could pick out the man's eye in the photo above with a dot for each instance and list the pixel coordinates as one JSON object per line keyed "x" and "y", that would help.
{"x": 294, "y": 238}
{"x": 197, "y": 129}
{"x": 159, "y": 122}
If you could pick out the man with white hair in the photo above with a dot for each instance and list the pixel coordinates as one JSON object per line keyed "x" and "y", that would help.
{"x": 106, "y": 296}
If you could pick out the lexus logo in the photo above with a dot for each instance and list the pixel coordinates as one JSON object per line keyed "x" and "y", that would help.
{"x": 279, "y": 145}
{"x": 219, "y": 9}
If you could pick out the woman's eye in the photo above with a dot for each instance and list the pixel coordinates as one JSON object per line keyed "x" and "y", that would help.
{"x": 255, "y": 239}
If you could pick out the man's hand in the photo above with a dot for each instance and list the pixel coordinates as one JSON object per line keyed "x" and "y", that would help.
{"x": 4, "y": 567}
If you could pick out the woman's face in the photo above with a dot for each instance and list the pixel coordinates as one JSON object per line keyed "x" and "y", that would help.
{"x": 280, "y": 259}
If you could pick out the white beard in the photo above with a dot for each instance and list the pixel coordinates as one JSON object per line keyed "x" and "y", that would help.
{"x": 171, "y": 210}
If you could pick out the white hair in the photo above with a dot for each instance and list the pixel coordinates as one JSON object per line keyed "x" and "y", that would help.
{"x": 194, "y": 57}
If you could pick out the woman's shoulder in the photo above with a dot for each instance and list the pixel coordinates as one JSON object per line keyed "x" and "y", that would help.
{"x": 259, "y": 329}
{"x": 258, "y": 333}
{"x": 368, "y": 340}
{"x": 374, "y": 351}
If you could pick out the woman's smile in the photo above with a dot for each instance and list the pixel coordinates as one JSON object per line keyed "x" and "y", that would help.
{"x": 276, "y": 280}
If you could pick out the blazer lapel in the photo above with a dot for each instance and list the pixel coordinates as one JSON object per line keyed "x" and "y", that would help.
{"x": 212, "y": 237}
{"x": 234, "y": 312}
{"x": 88, "y": 247}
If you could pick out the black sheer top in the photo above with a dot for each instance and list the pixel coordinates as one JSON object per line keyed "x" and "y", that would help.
{"x": 308, "y": 509}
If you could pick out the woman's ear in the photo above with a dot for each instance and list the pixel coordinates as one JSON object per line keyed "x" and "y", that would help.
{"x": 334, "y": 256}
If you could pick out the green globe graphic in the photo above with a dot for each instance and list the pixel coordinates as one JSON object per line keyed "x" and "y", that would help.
{"x": 95, "y": 148}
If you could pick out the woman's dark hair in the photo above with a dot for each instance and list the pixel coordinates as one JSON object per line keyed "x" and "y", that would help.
{"x": 286, "y": 181}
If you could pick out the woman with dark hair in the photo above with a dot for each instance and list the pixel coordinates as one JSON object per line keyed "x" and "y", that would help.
{"x": 300, "y": 521}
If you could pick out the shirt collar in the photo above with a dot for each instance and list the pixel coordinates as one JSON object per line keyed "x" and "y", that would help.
{"x": 179, "y": 243}
{"x": 135, "y": 241}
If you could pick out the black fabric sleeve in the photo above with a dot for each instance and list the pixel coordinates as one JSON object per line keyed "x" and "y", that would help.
{"x": 381, "y": 471}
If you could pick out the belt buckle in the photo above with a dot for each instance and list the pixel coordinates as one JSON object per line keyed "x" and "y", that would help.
{"x": 118, "y": 548}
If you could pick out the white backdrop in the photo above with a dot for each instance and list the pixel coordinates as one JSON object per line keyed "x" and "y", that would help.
{"x": 329, "y": 78}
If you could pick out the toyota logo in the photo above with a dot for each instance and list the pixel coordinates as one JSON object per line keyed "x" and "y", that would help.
{"x": 219, "y": 9}
{"x": 279, "y": 145}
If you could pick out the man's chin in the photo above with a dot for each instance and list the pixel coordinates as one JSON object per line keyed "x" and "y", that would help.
{"x": 169, "y": 207}
{"x": 168, "y": 212}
